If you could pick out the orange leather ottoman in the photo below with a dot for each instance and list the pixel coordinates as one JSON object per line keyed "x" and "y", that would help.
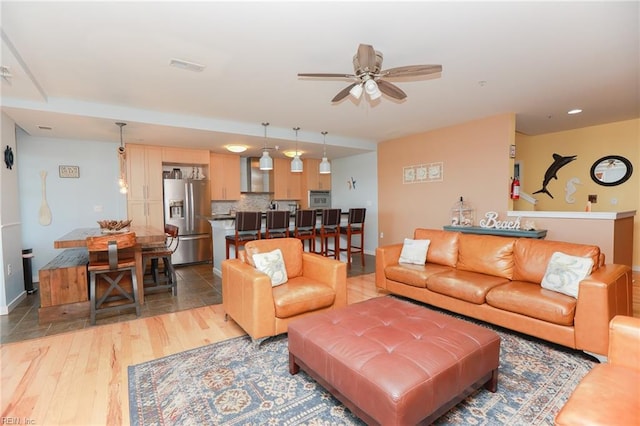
{"x": 392, "y": 362}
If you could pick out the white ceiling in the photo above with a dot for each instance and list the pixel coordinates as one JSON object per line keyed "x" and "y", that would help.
{"x": 78, "y": 67}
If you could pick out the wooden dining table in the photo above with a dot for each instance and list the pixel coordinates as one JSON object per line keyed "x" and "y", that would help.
{"x": 145, "y": 235}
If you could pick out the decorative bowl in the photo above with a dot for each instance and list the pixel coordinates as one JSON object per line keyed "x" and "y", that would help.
{"x": 114, "y": 226}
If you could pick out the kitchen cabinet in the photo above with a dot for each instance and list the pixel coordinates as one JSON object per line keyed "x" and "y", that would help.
{"x": 287, "y": 185}
{"x": 312, "y": 180}
{"x": 224, "y": 173}
{"x": 172, "y": 155}
{"x": 144, "y": 174}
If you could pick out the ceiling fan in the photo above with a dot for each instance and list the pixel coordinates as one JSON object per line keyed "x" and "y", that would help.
{"x": 369, "y": 77}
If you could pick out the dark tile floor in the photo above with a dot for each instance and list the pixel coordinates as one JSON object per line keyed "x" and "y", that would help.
{"x": 197, "y": 286}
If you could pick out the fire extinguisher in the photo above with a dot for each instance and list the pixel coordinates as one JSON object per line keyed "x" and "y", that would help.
{"x": 515, "y": 189}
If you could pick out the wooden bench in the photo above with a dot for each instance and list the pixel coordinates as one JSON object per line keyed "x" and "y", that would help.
{"x": 64, "y": 292}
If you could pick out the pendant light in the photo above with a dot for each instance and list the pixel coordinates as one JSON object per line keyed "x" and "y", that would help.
{"x": 296, "y": 163}
{"x": 266, "y": 162}
{"x": 122, "y": 179}
{"x": 325, "y": 165}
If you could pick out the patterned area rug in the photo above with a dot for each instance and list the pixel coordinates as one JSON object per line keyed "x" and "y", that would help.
{"x": 236, "y": 383}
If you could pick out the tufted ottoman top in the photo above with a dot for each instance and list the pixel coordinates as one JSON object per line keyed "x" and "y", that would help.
{"x": 396, "y": 361}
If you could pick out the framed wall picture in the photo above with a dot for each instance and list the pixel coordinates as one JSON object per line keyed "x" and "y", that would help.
{"x": 69, "y": 171}
{"x": 409, "y": 174}
{"x": 435, "y": 172}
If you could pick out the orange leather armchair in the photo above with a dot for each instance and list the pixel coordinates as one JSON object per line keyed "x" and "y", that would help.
{"x": 315, "y": 284}
{"x": 610, "y": 393}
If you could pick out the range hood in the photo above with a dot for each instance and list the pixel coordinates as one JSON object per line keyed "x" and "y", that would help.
{"x": 252, "y": 179}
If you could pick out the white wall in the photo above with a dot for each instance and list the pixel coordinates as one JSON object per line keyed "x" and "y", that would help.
{"x": 11, "y": 285}
{"x": 363, "y": 169}
{"x": 73, "y": 202}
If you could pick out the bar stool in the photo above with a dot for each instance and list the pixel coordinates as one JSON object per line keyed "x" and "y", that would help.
{"x": 108, "y": 264}
{"x": 355, "y": 226}
{"x": 247, "y": 228}
{"x": 277, "y": 225}
{"x": 305, "y": 228}
{"x": 330, "y": 228}
{"x": 165, "y": 279}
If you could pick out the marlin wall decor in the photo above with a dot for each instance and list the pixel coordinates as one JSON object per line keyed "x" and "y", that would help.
{"x": 552, "y": 172}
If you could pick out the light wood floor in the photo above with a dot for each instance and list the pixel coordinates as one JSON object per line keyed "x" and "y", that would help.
{"x": 80, "y": 378}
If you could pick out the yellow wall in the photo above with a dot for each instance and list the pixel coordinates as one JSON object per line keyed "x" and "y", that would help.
{"x": 590, "y": 143}
{"x": 477, "y": 166}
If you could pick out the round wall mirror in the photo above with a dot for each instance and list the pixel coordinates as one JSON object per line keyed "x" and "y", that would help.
{"x": 611, "y": 170}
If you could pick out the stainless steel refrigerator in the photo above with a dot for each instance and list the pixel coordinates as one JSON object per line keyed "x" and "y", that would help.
{"x": 187, "y": 204}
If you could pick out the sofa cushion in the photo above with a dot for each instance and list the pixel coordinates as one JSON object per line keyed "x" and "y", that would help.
{"x": 464, "y": 285}
{"x": 486, "y": 254}
{"x": 443, "y": 249}
{"x": 413, "y": 275}
{"x": 414, "y": 251}
{"x": 272, "y": 264}
{"x": 300, "y": 295}
{"x": 565, "y": 272}
{"x": 533, "y": 301}
{"x": 291, "y": 252}
{"x": 532, "y": 256}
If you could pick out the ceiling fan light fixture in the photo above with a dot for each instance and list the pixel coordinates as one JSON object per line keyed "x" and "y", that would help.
{"x": 356, "y": 91}
{"x": 371, "y": 87}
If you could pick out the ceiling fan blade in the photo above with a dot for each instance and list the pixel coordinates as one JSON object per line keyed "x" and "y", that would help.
{"x": 411, "y": 71}
{"x": 343, "y": 93}
{"x": 366, "y": 57}
{"x": 391, "y": 90}
{"x": 326, "y": 75}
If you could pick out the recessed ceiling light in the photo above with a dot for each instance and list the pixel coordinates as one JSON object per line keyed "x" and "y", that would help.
{"x": 292, "y": 153}
{"x": 574, "y": 111}
{"x": 236, "y": 148}
{"x": 186, "y": 65}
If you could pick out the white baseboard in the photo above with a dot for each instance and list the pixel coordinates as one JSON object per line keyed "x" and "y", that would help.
{"x": 4, "y": 310}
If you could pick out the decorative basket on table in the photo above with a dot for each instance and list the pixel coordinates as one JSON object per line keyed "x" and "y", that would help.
{"x": 114, "y": 226}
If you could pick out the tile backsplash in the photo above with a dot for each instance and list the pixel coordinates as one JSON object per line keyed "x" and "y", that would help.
{"x": 248, "y": 202}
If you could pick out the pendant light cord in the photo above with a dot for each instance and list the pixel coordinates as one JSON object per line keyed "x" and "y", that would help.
{"x": 324, "y": 143}
{"x": 265, "y": 135}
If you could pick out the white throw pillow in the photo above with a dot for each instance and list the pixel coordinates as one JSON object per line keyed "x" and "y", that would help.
{"x": 414, "y": 251}
{"x": 272, "y": 264}
{"x": 564, "y": 273}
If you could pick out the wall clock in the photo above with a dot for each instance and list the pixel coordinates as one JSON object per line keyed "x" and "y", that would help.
{"x": 8, "y": 157}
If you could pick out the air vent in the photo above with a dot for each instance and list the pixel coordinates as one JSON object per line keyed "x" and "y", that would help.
{"x": 45, "y": 128}
{"x": 186, "y": 65}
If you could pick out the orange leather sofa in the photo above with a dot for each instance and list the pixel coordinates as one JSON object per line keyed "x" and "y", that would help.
{"x": 610, "y": 393}
{"x": 497, "y": 280}
{"x": 315, "y": 284}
